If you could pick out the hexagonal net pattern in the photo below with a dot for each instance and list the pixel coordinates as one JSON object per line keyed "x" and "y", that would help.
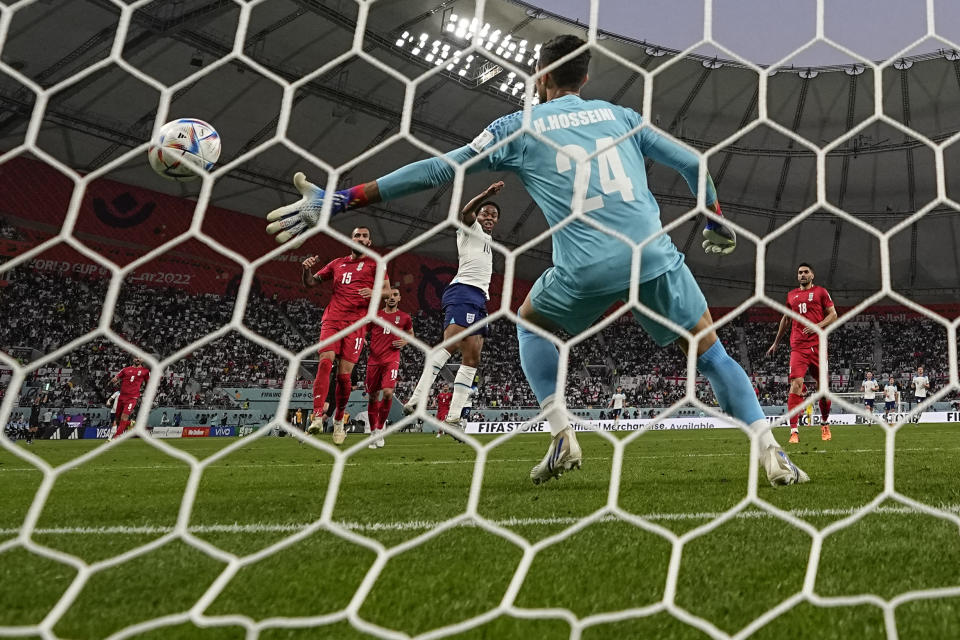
{"x": 196, "y": 614}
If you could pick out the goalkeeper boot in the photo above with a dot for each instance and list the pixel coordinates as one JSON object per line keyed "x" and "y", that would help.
{"x": 339, "y": 433}
{"x": 794, "y": 437}
{"x": 563, "y": 454}
{"x": 780, "y": 470}
{"x": 825, "y": 433}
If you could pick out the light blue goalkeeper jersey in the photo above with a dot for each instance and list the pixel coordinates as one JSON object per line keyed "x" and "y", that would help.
{"x": 612, "y": 185}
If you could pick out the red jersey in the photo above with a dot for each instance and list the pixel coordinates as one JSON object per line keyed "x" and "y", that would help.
{"x": 382, "y": 350}
{"x": 813, "y": 304}
{"x": 131, "y": 379}
{"x": 443, "y": 401}
{"x": 349, "y": 275}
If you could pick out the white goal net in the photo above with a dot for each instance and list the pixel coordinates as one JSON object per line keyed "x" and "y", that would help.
{"x": 514, "y": 81}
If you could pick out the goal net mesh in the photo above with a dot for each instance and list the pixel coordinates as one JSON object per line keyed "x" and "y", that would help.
{"x": 471, "y": 516}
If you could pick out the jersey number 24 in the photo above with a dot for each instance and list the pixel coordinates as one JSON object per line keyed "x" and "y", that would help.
{"x": 613, "y": 179}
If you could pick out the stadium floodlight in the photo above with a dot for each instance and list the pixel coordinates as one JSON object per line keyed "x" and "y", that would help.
{"x": 400, "y": 42}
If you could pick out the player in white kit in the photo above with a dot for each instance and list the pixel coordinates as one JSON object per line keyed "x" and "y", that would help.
{"x": 616, "y": 401}
{"x": 891, "y": 396}
{"x": 920, "y": 384}
{"x": 464, "y": 304}
{"x": 869, "y": 388}
{"x": 114, "y": 416}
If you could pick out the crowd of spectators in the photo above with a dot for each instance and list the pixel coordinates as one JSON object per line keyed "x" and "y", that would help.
{"x": 43, "y": 310}
{"x": 8, "y": 231}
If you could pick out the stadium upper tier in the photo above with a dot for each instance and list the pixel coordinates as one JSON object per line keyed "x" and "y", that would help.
{"x": 880, "y": 173}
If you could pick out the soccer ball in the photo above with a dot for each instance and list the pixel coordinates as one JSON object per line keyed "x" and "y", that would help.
{"x": 182, "y": 147}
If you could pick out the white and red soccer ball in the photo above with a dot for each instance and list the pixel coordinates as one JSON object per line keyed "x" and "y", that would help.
{"x": 182, "y": 147}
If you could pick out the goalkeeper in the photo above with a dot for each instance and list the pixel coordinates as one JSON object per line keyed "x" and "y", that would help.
{"x": 594, "y": 165}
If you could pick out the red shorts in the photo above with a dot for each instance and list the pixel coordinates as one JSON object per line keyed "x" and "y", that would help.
{"x": 126, "y": 405}
{"x": 348, "y": 347}
{"x": 442, "y": 412}
{"x": 803, "y": 360}
{"x": 382, "y": 376}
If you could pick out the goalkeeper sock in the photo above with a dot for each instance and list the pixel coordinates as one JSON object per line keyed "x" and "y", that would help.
{"x": 430, "y": 372}
{"x": 461, "y": 390}
{"x": 555, "y": 414}
{"x": 384, "y": 408}
{"x": 342, "y": 394}
{"x": 321, "y": 384}
{"x": 794, "y": 400}
{"x": 825, "y": 410}
{"x": 373, "y": 412}
{"x": 733, "y": 389}
{"x": 540, "y": 360}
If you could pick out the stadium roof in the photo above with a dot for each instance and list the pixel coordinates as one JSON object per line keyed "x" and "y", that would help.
{"x": 880, "y": 174}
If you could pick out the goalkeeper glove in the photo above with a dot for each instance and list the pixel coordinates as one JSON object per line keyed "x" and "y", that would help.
{"x": 293, "y": 219}
{"x": 719, "y": 238}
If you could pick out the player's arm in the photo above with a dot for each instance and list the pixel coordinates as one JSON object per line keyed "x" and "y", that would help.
{"x": 784, "y": 321}
{"x": 718, "y": 237}
{"x": 309, "y": 278}
{"x": 468, "y": 215}
{"x": 366, "y": 292}
{"x": 293, "y": 219}
{"x": 400, "y": 343}
{"x": 830, "y": 318}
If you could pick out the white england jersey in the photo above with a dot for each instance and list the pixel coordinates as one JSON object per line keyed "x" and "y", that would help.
{"x": 890, "y": 393}
{"x": 618, "y": 399}
{"x": 920, "y": 384}
{"x": 870, "y": 389}
{"x": 113, "y": 401}
{"x": 476, "y": 259}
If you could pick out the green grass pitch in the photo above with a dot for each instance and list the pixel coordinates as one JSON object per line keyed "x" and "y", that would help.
{"x": 678, "y": 480}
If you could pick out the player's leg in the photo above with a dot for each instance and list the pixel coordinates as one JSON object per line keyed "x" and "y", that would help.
{"x": 351, "y": 346}
{"x": 386, "y": 401}
{"x": 126, "y": 406}
{"x": 321, "y": 386}
{"x": 824, "y": 403}
{"x": 676, "y": 295}
{"x": 470, "y": 348}
{"x": 373, "y": 414}
{"x": 454, "y": 322}
{"x": 372, "y": 386}
{"x": 552, "y": 305}
{"x": 798, "y": 371}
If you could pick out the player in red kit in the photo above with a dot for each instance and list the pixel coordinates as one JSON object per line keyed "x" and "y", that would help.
{"x": 443, "y": 406}
{"x": 383, "y": 363}
{"x": 353, "y": 281}
{"x": 131, "y": 380}
{"x": 814, "y": 304}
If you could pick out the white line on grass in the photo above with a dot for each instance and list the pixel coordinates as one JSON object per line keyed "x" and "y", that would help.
{"x": 421, "y": 525}
{"x": 367, "y": 462}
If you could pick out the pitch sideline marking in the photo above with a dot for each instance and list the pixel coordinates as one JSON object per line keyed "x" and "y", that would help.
{"x": 418, "y": 525}
{"x": 369, "y": 462}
